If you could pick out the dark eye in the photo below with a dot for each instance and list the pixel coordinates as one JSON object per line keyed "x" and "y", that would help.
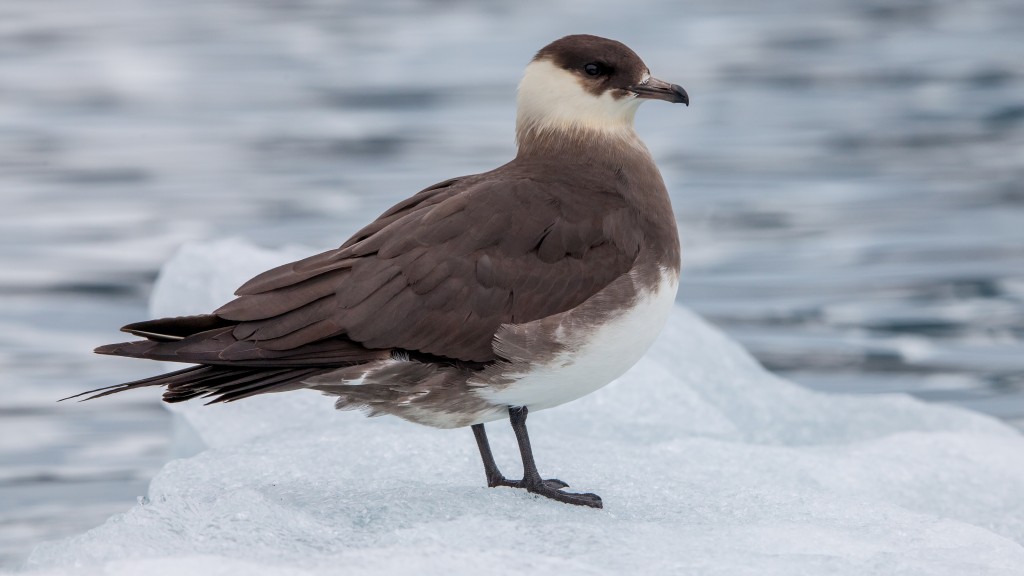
{"x": 593, "y": 69}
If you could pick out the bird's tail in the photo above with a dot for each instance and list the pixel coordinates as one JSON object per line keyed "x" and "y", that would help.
{"x": 222, "y": 383}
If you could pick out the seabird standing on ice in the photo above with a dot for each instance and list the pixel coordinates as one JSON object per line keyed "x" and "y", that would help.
{"x": 480, "y": 298}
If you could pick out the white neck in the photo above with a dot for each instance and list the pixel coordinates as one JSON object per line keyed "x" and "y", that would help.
{"x": 553, "y": 99}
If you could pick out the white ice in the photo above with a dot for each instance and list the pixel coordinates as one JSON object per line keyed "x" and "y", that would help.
{"x": 707, "y": 464}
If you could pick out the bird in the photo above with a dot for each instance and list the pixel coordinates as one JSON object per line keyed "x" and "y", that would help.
{"x": 480, "y": 298}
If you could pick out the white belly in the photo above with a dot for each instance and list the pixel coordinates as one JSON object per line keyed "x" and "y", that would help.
{"x": 602, "y": 357}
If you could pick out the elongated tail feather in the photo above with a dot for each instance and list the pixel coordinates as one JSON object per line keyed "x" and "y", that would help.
{"x": 223, "y": 384}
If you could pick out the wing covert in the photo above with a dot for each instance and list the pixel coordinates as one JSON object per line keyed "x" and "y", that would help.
{"x": 442, "y": 271}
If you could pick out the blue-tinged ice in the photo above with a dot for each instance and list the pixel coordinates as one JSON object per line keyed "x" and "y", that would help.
{"x": 707, "y": 465}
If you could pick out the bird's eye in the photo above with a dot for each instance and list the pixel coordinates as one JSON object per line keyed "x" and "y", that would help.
{"x": 593, "y": 69}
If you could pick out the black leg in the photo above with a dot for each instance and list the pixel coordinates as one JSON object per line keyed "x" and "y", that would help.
{"x": 494, "y": 477}
{"x": 531, "y": 477}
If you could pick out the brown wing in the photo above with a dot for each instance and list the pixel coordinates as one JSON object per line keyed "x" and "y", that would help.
{"x": 440, "y": 272}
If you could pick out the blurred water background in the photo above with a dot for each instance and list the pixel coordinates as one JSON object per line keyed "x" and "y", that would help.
{"x": 849, "y": 183}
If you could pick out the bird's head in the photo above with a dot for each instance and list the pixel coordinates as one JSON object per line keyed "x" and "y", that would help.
{"x": 585, "y": 83}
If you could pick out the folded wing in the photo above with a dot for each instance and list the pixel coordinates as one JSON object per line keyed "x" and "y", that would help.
{"x": 436, "y": 275}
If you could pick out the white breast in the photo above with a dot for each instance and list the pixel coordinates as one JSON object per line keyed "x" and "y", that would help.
{"x": 602, "y": 357}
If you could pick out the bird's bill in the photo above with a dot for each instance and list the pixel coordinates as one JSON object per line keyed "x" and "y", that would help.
{"x": 660, "y": 90}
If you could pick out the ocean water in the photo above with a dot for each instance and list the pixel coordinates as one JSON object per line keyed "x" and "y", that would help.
{"x": 849, "y": 183}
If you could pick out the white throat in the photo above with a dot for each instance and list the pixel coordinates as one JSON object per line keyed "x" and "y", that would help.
{"x": 551, "y": 98}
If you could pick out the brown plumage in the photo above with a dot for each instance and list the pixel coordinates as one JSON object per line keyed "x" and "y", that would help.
{"x": 437, "y": 309}
{"x": 437, "y": 274}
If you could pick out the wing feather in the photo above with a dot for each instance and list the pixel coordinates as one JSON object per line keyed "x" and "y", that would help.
{"x": 442, "y": 275}
{"x": 438, "y": 274}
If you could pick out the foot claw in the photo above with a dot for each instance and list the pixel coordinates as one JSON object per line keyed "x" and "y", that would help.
{"x": 587, "y": 499}
{"x": 551, "y": 489}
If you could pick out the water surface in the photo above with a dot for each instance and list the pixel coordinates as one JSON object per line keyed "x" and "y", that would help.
{"x": 848, "y": 183}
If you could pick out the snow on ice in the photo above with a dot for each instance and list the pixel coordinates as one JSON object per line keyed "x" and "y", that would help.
{"x": 707, "y": 464}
